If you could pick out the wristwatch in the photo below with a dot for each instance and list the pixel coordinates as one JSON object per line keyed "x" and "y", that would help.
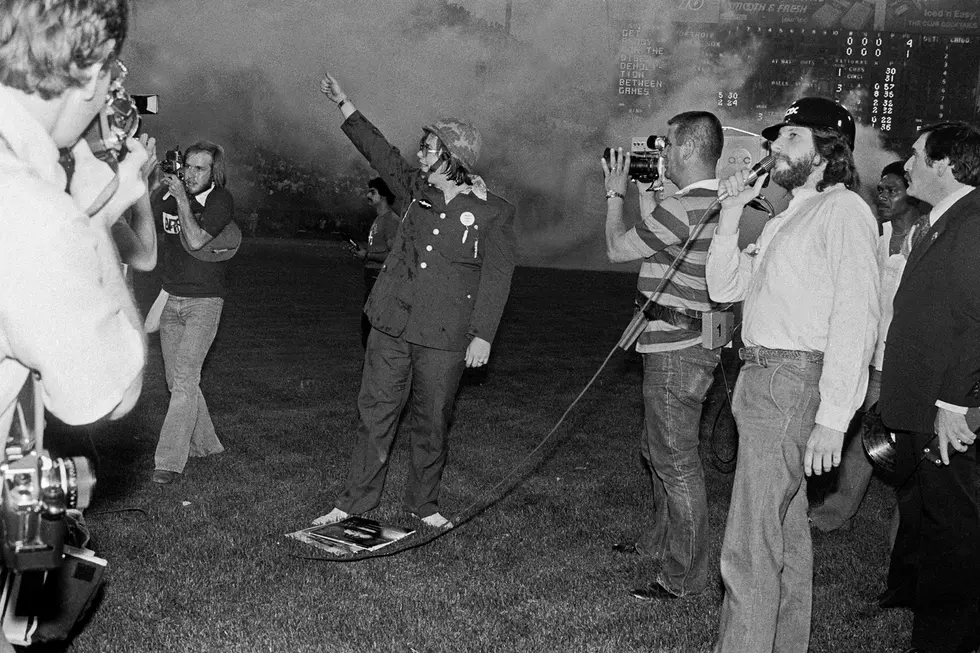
{"x": 614, "y": 193}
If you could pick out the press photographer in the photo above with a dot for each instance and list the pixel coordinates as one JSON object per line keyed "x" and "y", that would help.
{"x": 196, "y": 214}
{"x": 70, "y": 335}
{"x": 678, "y": 365}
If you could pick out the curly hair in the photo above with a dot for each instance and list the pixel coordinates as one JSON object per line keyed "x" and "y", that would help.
{"x": 834, "y": 148}
{"x": 46, "y": 45}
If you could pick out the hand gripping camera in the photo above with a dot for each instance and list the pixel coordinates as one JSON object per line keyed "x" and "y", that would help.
{"x": 646, "y": 159}
{"x": 37, "y": 490}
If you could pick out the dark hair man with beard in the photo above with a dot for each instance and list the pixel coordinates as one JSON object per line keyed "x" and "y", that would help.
{"x": 810, "y": 287}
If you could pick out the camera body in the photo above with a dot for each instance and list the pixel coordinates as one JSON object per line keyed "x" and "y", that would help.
{"x": 646, "y": 159}
{"x": 37, "y": 490}
{"x": 173, "y": 163}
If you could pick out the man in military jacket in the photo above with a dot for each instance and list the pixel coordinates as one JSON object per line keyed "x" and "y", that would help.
{"x": 434, "y": 309}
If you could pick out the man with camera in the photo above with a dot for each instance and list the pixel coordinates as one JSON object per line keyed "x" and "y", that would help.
{"x": 930, "y": 377}
{"x": 435, "y": 307}
{"x": 678, "y": 367}
{"x": 193, "y": 208}
{"x": 380, "y": 238}
{"x": 810, "y": 292}
{"x": 67, "y": 321}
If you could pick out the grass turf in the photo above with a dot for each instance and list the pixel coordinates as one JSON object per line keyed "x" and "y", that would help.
{"x": 206, "y": 566}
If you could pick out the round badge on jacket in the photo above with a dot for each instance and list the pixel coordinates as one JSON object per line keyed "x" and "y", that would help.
{"x": 220, "y": 248}
{"x": 467, "y": 219}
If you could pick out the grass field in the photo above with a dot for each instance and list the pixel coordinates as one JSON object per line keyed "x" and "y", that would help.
{"x": 205, "y": 567}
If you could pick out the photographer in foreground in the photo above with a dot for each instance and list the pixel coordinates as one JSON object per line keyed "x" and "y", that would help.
{"x": 677, "y": 369}
{"x": 435, "y": 307}
{"x": 65, "y": 311}
{"x": 193, "y": 208}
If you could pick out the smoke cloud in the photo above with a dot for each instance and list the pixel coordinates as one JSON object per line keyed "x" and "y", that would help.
{"x": 246, "y": 73}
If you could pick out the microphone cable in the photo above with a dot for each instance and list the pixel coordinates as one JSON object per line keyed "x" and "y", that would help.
{"x": 632, "y": 332}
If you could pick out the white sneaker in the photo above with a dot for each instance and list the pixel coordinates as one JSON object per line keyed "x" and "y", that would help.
{"x": 331, "y": 517}
{"x": 436, "y": 520}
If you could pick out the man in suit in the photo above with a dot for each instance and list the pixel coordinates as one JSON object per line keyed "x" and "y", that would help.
{"x": 435, "y": 306}
{"x": 931, "y": 375}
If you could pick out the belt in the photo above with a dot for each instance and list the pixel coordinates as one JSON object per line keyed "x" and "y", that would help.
{"x": 763, "y": 356}
{"x": 683, "y": 318}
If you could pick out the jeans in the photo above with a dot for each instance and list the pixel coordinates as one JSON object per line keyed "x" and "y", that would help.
{"x": 766, "y": 557}
{"x": 674, "y": 387}
{"x": 421, "y": 381}
{"x": 187, "y": 329}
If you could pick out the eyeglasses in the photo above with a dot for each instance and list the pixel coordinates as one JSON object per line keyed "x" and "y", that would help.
{"x": 425, "y": 149}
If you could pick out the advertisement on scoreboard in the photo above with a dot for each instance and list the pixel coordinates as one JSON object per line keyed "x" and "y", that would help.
{"x": 916, "y": 16}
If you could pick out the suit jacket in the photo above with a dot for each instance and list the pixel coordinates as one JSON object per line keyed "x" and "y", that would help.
{"x": 448, "y": 275}
{"x": 933, "y": 350}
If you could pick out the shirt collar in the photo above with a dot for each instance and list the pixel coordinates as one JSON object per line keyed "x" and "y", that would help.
{"x": 944, "y": 205}
{"x": 29, "y": 140}
{"x": 707, "y": 184}
{"x": 202, "y": 197}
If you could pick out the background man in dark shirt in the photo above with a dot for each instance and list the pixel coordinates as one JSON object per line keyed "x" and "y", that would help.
{"x": 379, "y": 241}
{"x": 191, "y": 212}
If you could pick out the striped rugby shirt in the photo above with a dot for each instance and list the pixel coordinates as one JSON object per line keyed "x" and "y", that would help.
{"x": 659, "y": 237}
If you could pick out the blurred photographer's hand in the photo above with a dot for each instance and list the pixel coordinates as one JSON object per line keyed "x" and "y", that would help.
{"x": 150, "y": 145}
{"x": 91, "y": 177}
{"x": 131, "y": 184}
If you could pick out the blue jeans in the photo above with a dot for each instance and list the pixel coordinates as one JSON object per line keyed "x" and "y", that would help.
{"x": 674, "y": 386}
{"x": 766, "y": 557}
{"x": 187, "y": 329}
{"x": 398, "y": 377}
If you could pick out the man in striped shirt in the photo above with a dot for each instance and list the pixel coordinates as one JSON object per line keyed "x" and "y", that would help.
{"x": 677, "y": 370}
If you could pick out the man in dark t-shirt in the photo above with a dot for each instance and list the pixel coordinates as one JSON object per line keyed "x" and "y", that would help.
{"x": 191, "y": 212}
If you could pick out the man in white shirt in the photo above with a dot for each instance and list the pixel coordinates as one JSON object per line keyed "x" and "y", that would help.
{"x": 931, "y": 375}
{"x": 65, "y": 311}
{"x": 810, "y": 287}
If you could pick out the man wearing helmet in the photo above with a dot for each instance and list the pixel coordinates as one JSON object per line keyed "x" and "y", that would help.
{"x": 810, "y": 287}
{"x": 434, "y": 308}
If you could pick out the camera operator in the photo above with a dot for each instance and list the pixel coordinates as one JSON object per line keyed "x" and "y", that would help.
{"x": 810, "y": 287}
{"x": 677, "y": 370}
{"x": 193, "y": 207}
{"x": 435, "y": 307}
{"x": 65, "y": 311}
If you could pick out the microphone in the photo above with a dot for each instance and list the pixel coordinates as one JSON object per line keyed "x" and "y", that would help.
{"x": 764, "y": 166}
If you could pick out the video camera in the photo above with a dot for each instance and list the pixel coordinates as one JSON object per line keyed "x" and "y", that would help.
{"x": 646, "y": 158}
{"x": 37, "y": 490}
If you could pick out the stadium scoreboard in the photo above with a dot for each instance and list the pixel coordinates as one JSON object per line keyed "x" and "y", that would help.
{"x": 761, "y": 56}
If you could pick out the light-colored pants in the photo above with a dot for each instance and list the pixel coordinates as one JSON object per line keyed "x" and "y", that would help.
{"x": 766, "y": 557}
{"x": 187, "y": 329}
